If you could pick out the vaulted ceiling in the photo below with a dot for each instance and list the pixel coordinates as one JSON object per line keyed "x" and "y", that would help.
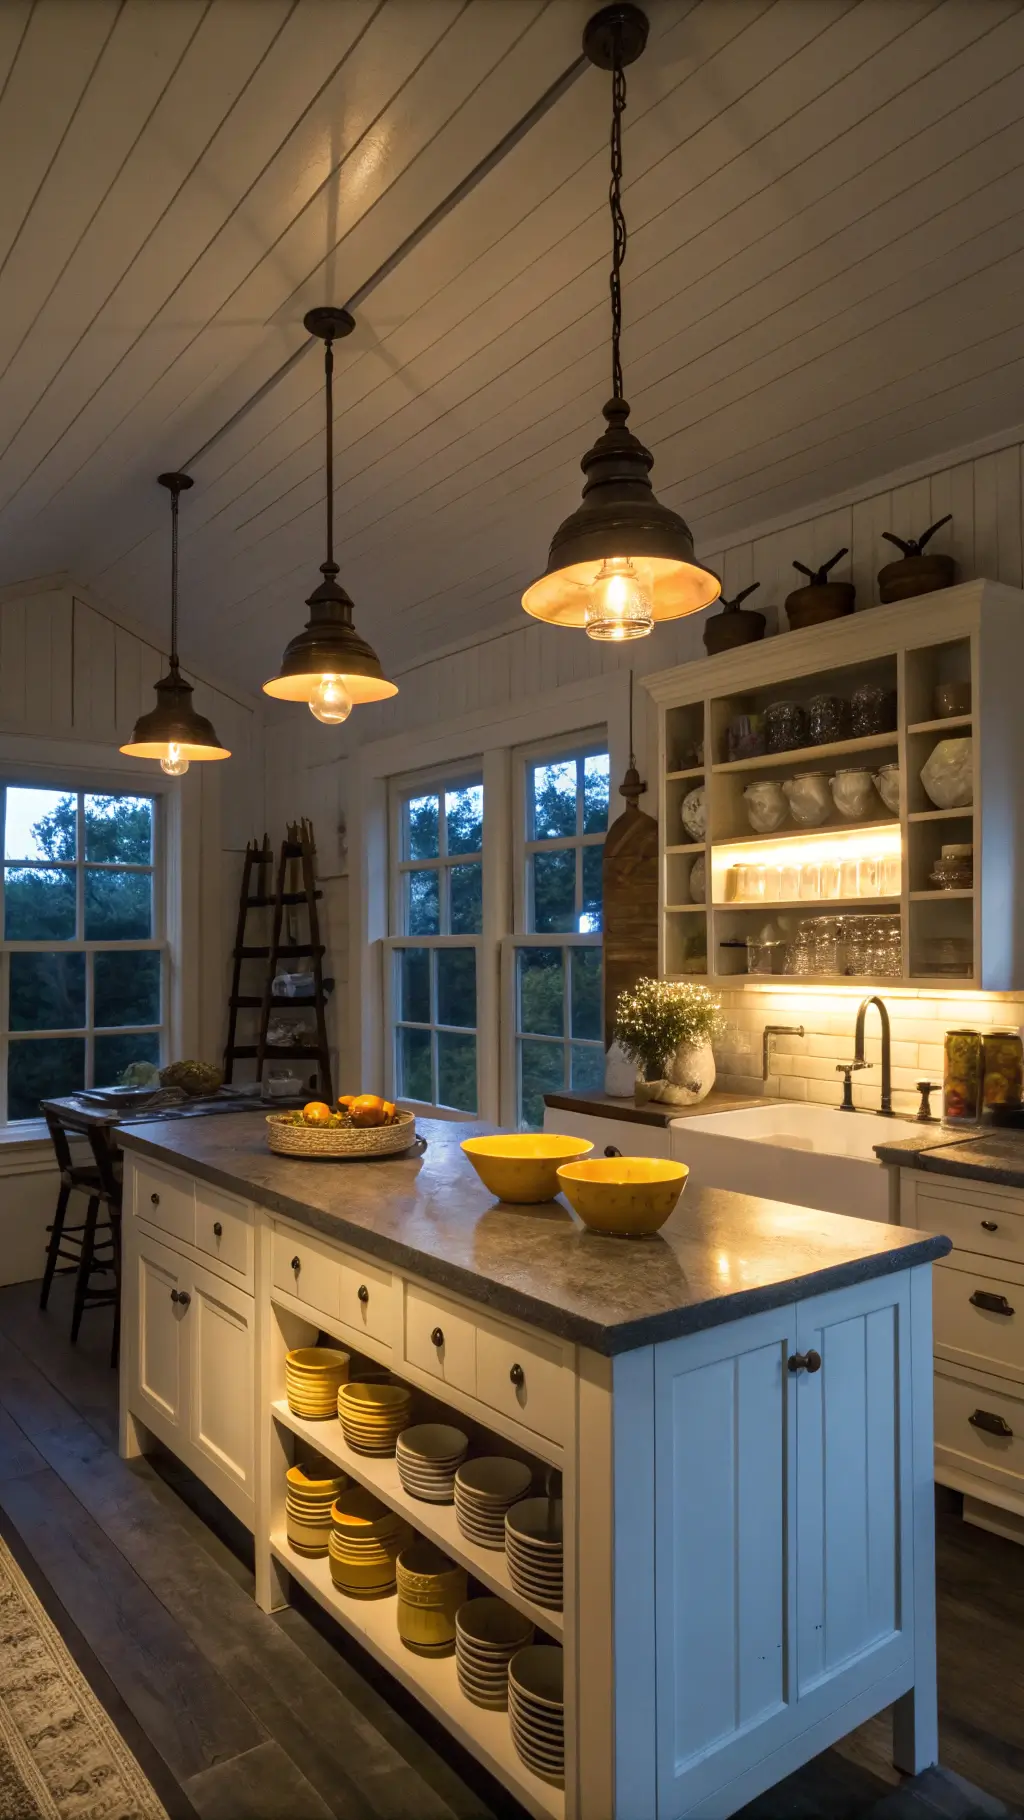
{"x": 824, "y": 281}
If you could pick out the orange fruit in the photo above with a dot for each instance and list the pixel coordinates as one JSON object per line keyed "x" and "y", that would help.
{"x": 345, "y": 1100}
{"x": 316, "y": 1113}
{"x": 389, "y": 1112}
{"x": 367, "y": 1109}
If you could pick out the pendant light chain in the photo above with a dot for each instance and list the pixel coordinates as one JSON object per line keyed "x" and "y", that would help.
{"x": 174, "y": 578}
{"x": 329, "y": 394}
{"x": 619, "y": 235}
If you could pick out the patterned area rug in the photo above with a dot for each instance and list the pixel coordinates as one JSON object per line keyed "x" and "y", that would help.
{"x": 60, "y": 1756}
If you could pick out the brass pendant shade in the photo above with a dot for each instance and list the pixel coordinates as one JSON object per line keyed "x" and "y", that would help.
{"x": 329, "y": 665}
{"x": 622, "y": 561}
{"x": 172, "y": 732}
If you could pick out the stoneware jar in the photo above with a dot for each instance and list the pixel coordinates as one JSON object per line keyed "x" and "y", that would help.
{"x": 689, "y": 1077}
{"x": 694, "y": 813}
{"x": 697, "y": 886}
{"x": 766, "y": 806}
{"x": 809, "y": 798}
{"x": 887, "y": 783}
{"x": 948, "y": 775}
{"x": 853, "y": 793}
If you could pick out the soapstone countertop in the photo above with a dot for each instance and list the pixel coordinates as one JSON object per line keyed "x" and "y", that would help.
{"x": 613, "y": 1106}
{"x": 721, "y": 1256}
{"x": 982, "y": 1155}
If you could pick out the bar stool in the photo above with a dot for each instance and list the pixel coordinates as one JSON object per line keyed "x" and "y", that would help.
{"x": 92, "y": 1248}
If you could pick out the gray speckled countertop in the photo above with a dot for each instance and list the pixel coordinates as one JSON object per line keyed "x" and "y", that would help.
{"x": 613, "y": 1106}
{"x": 981, "y": 1155}
{"x": 719, "y": 1257}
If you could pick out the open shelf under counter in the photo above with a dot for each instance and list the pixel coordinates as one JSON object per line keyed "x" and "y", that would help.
{"x": 433, "y": 1680}
{"x": 804, "y": 755}
{"x": 434, "y": 1520}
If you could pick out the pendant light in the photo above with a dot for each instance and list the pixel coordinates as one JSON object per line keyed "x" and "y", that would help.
{"x": 173, "y": 732}
{"x": 327, "y": 665}
{"x": 622, "y": 561}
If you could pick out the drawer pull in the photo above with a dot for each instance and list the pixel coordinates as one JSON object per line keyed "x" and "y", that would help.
{"x": 218, "y": 1230}
{"x": 437, "y": 1337}
{"x": 996, "y": 1304}
{"x": 181, "y": 1296}
{"x": 517, "y": 1376}
{"x": 155, "y": 1198}
{"x": 993, "y": 1425}
{"x": 804, "y": 1361}
{"x": 990, "y": 1225}
{"x": 296, "y": 1262}
{"x": 363, "y": 1294}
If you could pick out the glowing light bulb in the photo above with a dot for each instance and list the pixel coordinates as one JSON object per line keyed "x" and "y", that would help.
{"x": 620, "y": 605}
{"x": 330, "y": 701}
{"x": 174, "y": 764}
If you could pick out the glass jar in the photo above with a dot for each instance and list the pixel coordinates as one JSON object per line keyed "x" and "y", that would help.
{"x": 828, "y": 719}
{"x": 963, "y": 1064}
{"x": 745, "y": 737}
{"x": 824, "y": 944}
{"x": 855, "y": 946}
{"x": 891, "y": 874}
{"x": 872, "y": 710}
{"x": 883, "y": 956}
{"x": 1003, "y": 1054}
{"x": 799, "y": 955}
{"x": 764, "y": 956}
{"x": 785, "y": 726}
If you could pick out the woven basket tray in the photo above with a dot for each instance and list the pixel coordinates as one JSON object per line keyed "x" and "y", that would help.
{"x": 340, "y": 1141}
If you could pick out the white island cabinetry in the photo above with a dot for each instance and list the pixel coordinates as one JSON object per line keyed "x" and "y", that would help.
{"x": 747, "y": 1502}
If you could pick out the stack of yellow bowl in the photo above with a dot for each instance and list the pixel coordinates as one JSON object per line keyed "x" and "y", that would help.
{"x": 312, "y": 1375}
{"x": 430, "y": 1590}
{"x": 364, "y": 1544}
{"x": 309, "y": 1496}
{"x": 373, "y": 1416}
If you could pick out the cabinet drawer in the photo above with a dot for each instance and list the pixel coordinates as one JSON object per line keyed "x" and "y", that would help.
{"x": 224, "y": 1229}
{"x": 166, "y": 1200}
{"x": 365, "y": 1300}
{"x": 440, "y": 1339}
{"x": 524, "y": 1380}
{"x": 979, "y": 1315}
{"x": 967, "y": 1445}
{"x": 305, "y": 1270}
{"x": 975, "y": 1217}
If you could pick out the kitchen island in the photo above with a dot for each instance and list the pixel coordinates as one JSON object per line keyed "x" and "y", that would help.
{"x": 739, "y": 1409}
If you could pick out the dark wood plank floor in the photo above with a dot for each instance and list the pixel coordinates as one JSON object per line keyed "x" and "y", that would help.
{"x": 239, "y": 1716}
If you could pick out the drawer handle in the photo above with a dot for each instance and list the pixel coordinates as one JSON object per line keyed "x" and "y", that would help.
{"x": 155, "y": 1198}
{"x": 804, "y": 1361}
{"x": 990, "y": 1225}
{"x": 517, "y": 1376}
{"x": 363, "y": 1293}
{"x": 181, "y": 1296}
{"x": 996, "y": 1304}
{"x": 437, "y": 1337}
{"x": 612, "y": 1150}
{"x": 218, "y": 1230}
{"x": 296, "y": 1262}
{"x": 993, "y": 1425}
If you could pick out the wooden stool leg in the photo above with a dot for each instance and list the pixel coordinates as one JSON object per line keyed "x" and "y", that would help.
{"x": 56, "y": 1233}
{"x": 84, "y": 1264}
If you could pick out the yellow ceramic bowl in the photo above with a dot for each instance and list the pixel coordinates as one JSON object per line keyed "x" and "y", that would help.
{"x": 522, "y": 1166}
{"x": 627, "y": 1196}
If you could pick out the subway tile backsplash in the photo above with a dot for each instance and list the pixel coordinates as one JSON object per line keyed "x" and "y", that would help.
{"x": 804, "y": 1067}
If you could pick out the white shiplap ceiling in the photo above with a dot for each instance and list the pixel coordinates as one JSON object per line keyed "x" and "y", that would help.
{"x": 824, "y": 282}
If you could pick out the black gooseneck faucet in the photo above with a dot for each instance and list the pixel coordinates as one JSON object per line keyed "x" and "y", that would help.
{"x": 847, "y": 1069}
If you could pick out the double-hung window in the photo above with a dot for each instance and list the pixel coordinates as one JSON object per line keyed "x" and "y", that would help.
{"x": 82, "y": 956}
{"x": 433, "y": 959}
{"x": 553, "y": 966}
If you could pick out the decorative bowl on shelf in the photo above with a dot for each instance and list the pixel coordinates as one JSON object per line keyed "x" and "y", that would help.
{"x": 948, "y": 774}
{"x": 853, "y": 792}
{"x": 625, "y": 1196}
{"x": 887, "y": 783}
{"x": 694, "y": 813}
{"x": 809, "y": 798}
{"x": 522, "y": 1167}
{"x": 766, "y": 805}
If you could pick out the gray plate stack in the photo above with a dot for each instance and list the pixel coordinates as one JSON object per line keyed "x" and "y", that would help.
{"x": 488, "y": 1633}
{"x": 484, "y": 1490}
{"x": 533, "y": 1549}
{"x": 536, "y": 1710}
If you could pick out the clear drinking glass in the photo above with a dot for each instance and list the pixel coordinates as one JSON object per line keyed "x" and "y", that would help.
{"x": 867, "y": 877}
{"x": 810, "y": 879}
{"x": 831, "y": 878}
{"x": 789, "y": 883}
{"x": 848, "y": 878}
{"x": 773, "y": 882}
{"x": 892, "y": 875}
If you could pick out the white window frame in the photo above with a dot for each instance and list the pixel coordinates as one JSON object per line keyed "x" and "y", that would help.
{"x": 437, "y": 781}
{"x": 79, "y": 944}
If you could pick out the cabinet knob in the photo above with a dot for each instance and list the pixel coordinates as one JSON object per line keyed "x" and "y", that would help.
{"x": 437, "y": 1337}
{"x": 155, "y": 1198}
{"x": 363, "y": 1293}
{"x": 992, "y": 1424}
{"x": 218, "y": 1230}
{"x": 612, "y": 1150}
{"x": 804, "y": 1361}
{"x": 995, "y": 1304}
{"x": 517, "y": 1376}
{"x": 181, "y": 1296}
{"x": 990, "y": 1225}
{"x": 296, "y": 1262}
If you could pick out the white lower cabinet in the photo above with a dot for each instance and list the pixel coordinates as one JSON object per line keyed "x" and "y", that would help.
{"x": 160, "y": 1343}
{"x": 221, "y": 1379}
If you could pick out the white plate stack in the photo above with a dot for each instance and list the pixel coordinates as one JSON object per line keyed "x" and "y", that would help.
{"x": 536, "y": 1710}
{"x": 484, "y": 1489}
{"x": 533, "y": 1549}
{"x": 488, "y": 1633}
{"x": 428, "y": 1457}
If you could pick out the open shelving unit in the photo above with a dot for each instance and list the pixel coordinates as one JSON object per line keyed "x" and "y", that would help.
{"x": 961, "y": 938}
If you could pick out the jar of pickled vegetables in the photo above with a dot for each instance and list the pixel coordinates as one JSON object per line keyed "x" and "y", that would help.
{"x": 1004, "y": 1069}
{"x": 962, "y": 1076}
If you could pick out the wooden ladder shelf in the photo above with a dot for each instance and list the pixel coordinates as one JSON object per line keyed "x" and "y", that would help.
{"x": 294, "y": 885}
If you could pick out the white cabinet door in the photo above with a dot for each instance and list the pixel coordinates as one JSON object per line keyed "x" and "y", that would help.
{"x": 222, "y": 1382}
{"x": 161, "y": 1342}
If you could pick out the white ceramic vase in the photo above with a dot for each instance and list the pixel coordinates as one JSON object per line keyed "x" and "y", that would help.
{"x": 767, "y": 808}
{"x": 689, "y": 1077}
{"x": 809, "y": 798}
{"x": 853, "y": 792}
{"x": 887, "y": 783}
{"x": 948, "y": 775}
